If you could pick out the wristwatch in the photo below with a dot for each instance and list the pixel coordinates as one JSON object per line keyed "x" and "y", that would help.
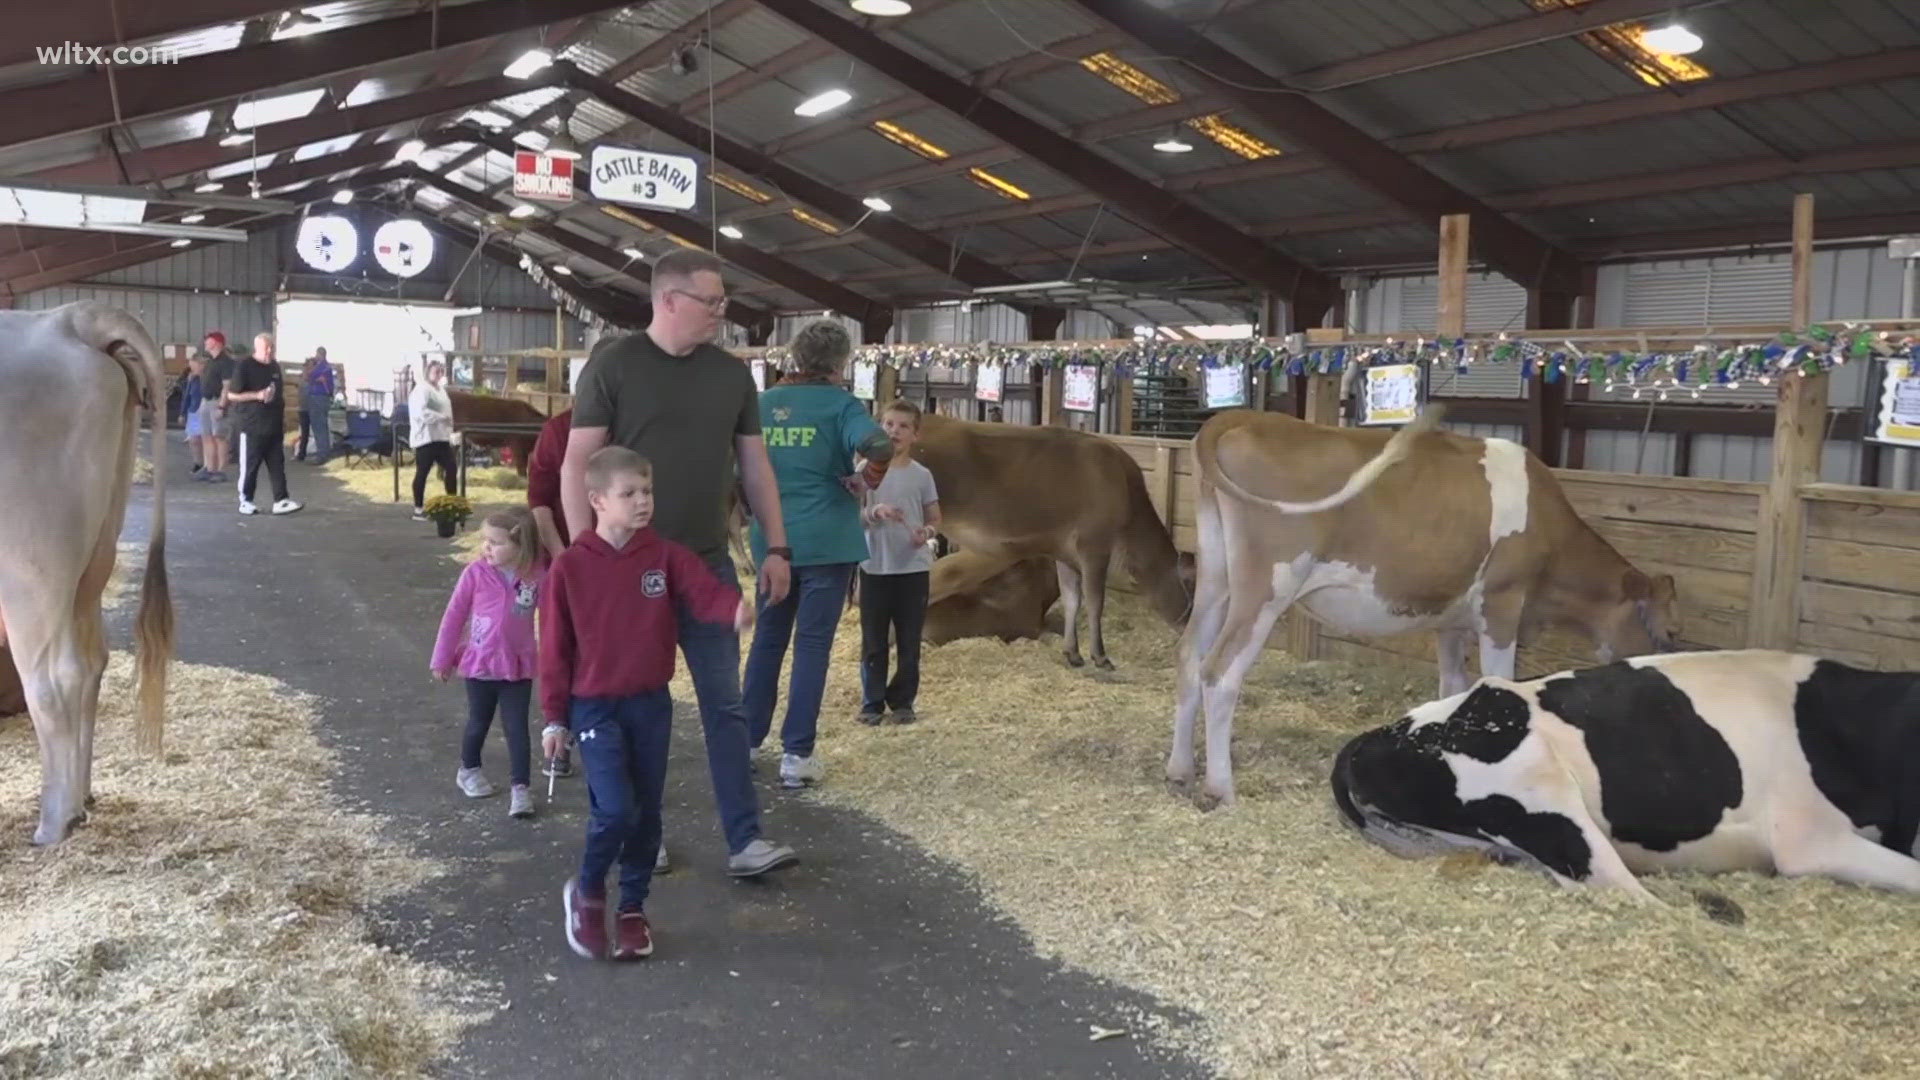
{"x": 784, "y": 552}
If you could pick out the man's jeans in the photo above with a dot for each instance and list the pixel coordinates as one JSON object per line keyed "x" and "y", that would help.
{"x": 808, "y": 616}
{"x": 313, "y": 418}
{"x": 712, "y": 655}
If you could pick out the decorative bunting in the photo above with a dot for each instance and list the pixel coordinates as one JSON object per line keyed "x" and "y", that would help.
{"x": 1706, "y": 366}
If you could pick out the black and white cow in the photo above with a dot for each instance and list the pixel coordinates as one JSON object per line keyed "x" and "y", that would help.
{"x": 1702, "y": 761}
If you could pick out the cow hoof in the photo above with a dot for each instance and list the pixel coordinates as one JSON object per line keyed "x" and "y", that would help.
{"x": 1103, "y": 663}
{"x": 49, "y": 835}
{"x": 1209, "y": 800}
{"x": 1719, "y": 908}
{"x": 1073, "y": 660}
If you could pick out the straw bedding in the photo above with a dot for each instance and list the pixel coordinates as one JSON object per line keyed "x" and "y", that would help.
{"x": 1305, "y": 951}
{"x": 209, "y": 919}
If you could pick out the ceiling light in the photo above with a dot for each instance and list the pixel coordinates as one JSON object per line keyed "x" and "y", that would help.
{"x": 632, "y": 253}
{"x": 488, "y": 118}
{"x": 193, "y": 219}
{"x": 523, "y": 210}
{"x": 823, "y": 102}
{"x": 1672, "y": 39}
{"x": 182, "y": 242}
{"x": 343, "y": 196}
{"x": 530, "y": 61}
{"x": 238, "y": 138}
{"x": 410, "y": 150}
{"x": 211, "y": 185}
{"x": 881, "y": 7}
{"x": 562, "y": 268}
{"x": 876, "y": 204}
{"x": 562, "y": 146}
{"x": 731, "y": 232}
{"x": 1172, "y": 143}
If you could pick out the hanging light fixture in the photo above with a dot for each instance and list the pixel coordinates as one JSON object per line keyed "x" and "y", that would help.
{"x": 876, "y": 204}
{"x": 881, "y": 7}
{"x": 1672, "y": 39}
{"x": 731, "y": 232}
{"x": 1172, "y": 143}
{"x": 562, "y": 145}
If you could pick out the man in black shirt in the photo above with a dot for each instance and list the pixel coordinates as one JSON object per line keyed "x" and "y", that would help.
{"x": 215, "y": 425}
{"x": 260, "y": 425}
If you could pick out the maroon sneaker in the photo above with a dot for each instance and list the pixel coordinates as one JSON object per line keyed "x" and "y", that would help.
{"x": 586, "y": 921}
{"x": 633, "y": 936}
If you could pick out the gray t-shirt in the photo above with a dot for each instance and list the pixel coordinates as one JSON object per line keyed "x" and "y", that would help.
{"x": 890, "y": 547}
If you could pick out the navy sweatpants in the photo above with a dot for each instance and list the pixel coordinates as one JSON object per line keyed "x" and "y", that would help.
{"x": 623, "y": 750}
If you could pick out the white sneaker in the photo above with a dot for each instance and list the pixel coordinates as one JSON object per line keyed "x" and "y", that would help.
{"x": 660, "y": 863}
{"x": 796, "y": 771}
{"x": 522, "y": 802}
{"x": 248, "y": 508}
{"x": 285, "y": 506}
{"x": 474, "y": 784}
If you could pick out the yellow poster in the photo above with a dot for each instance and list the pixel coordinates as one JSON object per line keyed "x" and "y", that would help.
{"x": 1900, "y": 404}
{"x": 1392, "y": 395}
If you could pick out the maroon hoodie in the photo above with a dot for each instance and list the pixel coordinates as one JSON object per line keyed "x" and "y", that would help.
{"x": 607, "y": 618}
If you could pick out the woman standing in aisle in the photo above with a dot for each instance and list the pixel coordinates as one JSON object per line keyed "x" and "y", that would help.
{"x": 430, "y": 432}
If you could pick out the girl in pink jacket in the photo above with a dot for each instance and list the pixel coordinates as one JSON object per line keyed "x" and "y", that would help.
{"x": 487, "y": 635}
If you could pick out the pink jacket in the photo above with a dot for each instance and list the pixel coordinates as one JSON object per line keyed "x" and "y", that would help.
{"x": 487, "y": 630}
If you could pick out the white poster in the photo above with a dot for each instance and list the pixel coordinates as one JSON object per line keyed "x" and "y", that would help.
{"x": 1226, "y": 386}
{"x": 644, "y": 178}
{"x": 1392, "y": 394}
{"x": 865, "y": 372}
{"x": 1081, "y": 388}
{"x": 1899, "y": 419}
{"x": 759, "y": 375}
{"x": 988, "y": 378}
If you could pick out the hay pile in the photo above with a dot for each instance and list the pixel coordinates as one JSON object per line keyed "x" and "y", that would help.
{"x": 1308, "y": 952}
{"x": 208, "y": 921}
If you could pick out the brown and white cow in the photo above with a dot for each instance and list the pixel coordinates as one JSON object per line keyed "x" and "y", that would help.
{"x": 76, "y": 376}
{"x": 1012, "y": 491}
{"x": 986, "y": 596}
{"x": 1377, "y": 533}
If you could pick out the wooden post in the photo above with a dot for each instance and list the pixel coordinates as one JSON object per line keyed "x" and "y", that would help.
{"x": 1452, "y": 318}
{"x": 1321, "y": 405}
{"x": 886, "y": 386}
{"x": 1122, "y": 403}
{"x": 1799, "y": 435}
{"x": 1163, "y": 490}
{"x": 1053, "y": 411}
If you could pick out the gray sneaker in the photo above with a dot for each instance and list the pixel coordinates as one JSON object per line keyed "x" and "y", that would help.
{"x": 759, "y": 857}
{"x": 660, "y": 863}
{"x": 474, "y": 784}
{"x": 522, "y": 802}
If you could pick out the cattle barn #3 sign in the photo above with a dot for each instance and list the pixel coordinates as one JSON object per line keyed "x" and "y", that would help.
{"x": 542, "y": 176}
{"x": 643, "y": 178}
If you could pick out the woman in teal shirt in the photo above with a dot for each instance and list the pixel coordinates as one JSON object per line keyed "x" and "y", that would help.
{"x": 813, "y": 429}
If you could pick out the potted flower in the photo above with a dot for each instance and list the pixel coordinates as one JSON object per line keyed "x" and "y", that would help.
{"x": 448, "y": 511}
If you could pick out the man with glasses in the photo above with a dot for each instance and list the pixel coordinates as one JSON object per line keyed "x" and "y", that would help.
{"x": 689, "y": 407}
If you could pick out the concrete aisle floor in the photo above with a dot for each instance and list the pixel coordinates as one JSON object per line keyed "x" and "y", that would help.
{"x": 868, "y": 959}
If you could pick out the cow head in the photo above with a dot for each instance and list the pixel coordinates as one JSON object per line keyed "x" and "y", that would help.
{"x": 1642, "y": 618}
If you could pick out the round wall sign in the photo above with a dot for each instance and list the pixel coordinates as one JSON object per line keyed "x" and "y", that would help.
{"x": 403, "y": 247}
{"x": 327, "y": 242}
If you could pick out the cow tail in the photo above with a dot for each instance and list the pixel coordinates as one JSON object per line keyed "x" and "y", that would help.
{"x": 1362, "y": 478}
{"x": 111, "y": 331}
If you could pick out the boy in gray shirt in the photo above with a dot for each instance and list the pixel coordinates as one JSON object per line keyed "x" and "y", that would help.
{"x": 902, "y": 515}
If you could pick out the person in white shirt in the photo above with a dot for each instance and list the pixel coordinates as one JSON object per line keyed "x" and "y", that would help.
{"x": 902, "y": 517}
{"x": 430, "y": 416}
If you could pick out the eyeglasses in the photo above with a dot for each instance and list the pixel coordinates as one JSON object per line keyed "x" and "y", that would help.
{"x": 712, "y": 303}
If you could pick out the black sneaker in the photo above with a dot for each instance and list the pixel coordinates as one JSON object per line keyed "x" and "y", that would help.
{"x": 871, "y": 717}
{"x": 560, "y": 766}
{"x": 904, "y": 716}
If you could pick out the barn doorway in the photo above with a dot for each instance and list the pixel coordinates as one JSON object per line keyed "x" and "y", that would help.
{"x": 367, "y": 340}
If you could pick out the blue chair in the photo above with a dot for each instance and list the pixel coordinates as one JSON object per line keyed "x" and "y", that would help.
{"x": 366, "y": 438}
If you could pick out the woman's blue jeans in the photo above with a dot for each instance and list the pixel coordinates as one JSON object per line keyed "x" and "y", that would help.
{"x": 808, "y": 617}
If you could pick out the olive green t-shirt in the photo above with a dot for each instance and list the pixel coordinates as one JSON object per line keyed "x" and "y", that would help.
{"x": 681, "y": 413}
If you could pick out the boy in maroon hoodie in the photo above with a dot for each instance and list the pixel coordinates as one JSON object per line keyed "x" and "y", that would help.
{"x": 607, "y": 637}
